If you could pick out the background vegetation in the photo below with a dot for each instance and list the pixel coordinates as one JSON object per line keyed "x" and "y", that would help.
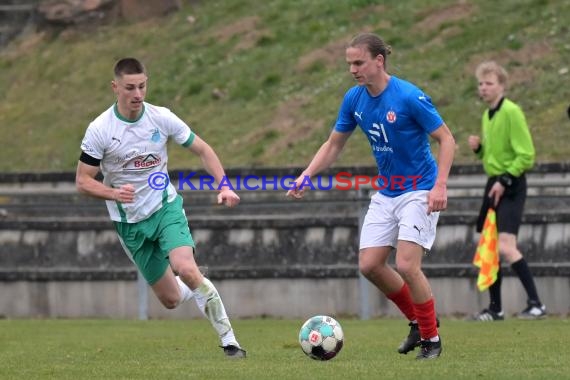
{"x": 262, "y": 81}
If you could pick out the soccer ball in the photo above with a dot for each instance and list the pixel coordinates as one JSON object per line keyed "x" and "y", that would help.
{"x": 321, "y": 337}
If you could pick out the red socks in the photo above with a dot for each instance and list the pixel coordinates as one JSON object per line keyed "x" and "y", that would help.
{"x": 403, "y": 300}
{"x": 425, "y": 314}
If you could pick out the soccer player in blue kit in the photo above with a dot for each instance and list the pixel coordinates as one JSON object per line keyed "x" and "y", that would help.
{"x": 397, "y": 118}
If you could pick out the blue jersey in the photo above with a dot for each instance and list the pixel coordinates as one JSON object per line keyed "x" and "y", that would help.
{"x": 397, "y": 124}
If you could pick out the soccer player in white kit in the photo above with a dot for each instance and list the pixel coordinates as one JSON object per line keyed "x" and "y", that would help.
{"x": 397, "y": 118}
{"x": 127, "y": 143}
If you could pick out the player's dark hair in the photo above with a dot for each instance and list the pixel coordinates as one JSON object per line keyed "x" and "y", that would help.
{"x": 129, "y": 66}
{"x": 374, "y": 44}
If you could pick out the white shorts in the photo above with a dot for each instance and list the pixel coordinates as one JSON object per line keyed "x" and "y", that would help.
{"x": 401, "y": 218}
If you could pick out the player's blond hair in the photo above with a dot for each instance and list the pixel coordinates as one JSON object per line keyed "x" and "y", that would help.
{"x": 492, "y": 67}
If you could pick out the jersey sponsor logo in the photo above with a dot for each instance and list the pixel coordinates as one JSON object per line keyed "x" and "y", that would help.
{"x": 378, "y": 132}
{"x": 141, "y": 163}
{"x": 375, "y": 132}
{"x": 391, "y": 117}
{"x": 129, "y": 156}
{"x": 358, "y": 115}
{"x": 378, "y": 136}
{"x": 384, "y": 148}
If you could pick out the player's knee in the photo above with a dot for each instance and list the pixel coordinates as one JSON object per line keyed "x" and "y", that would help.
{"x": 170, "y": 301}
{"x": 509, "y": 252}
{"x": 510, "y": 256}
{"x": 408, "y": 271}
{"x": 189, "y": 272}
{"x": 365, "y": 268}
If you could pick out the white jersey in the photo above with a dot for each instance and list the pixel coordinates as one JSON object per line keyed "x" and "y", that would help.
{"x": 132, "y": 150}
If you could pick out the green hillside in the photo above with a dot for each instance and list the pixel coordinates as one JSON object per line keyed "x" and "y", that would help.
{"x": 278, "y": 70}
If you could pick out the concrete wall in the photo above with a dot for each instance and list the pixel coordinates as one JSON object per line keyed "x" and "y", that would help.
{"x": 59, "y": 256}
{"x": 281, "y": 298}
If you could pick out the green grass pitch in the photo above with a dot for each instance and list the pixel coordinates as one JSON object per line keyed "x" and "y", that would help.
{"x": 175, "y": 349}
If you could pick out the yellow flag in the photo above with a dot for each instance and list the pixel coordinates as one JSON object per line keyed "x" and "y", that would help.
{"x": 487, "y": 255}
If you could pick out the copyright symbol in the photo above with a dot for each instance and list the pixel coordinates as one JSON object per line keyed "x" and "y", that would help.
{"x": 158, "y": 181}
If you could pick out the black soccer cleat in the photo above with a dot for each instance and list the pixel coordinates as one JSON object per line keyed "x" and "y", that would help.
{"x": 429, "y": 350}
{"x": 234, "y": 352}
{"x": 413, "y": 339}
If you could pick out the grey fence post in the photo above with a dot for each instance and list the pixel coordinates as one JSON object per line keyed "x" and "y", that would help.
{"x": 142, "y": 288}
{"x": 363, "y": 283}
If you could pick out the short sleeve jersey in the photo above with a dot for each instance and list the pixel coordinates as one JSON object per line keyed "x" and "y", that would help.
{"x": 396, "y": 123}
{"x": 131, "y": 151}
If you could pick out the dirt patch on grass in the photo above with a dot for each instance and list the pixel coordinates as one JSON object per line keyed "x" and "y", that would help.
{"x": 249, "y": 39}
{"x": 528, "y": 53}
{"x": 246, "y": 28}
{"x": 290, "y": 124}
{"x": 329, "y": 55}
{"x": 363, "y": 13}
{"x": 433, "y": 19}
{"x": 517, "y": 62}
{"x": 241, "y": 26}
{"x": 439, "y": 40}
{"x": 333, "y": 52}
{"x": 23, "y": 44}
{"x": 287, "y": 127}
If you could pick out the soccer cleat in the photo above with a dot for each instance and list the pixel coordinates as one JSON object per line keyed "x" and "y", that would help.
{"x": 413, "y": 339}
{"x": 234, "y": 352}
{"x": 487, "y": 315}
{"x": 429, "y": 350}
{"x": 534, "y": 310}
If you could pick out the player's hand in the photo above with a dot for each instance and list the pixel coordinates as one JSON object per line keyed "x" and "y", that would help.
{"x": 474, "y": 142}
{"x": 297, "y": 189}
{"x": 437, "y": 198}
{"x": 125, "y": 194}
{"x": 228, "y": 197}
{"x": 496, "y": 192}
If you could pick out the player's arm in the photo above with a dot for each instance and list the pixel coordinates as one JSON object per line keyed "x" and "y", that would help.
{"x": 87, "y": 184}
{"x": 521, "y": 144}
{"x": 437, "y": 198}
{"x": 323, "y": 159}
{"x": 213, "y": 165}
